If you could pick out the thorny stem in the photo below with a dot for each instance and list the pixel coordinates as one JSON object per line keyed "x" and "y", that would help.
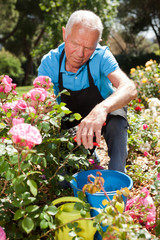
{"x": 75, "y": 220}
{"x": 5, "y": 184}
{"x": 62, "y": 164}
{"x": 59, "y": 167}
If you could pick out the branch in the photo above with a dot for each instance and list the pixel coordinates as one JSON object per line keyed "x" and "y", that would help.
{"x": 3, "y": 39}
{"x": 75, "y": 220}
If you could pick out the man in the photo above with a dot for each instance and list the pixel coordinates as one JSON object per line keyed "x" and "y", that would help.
{"x": 89, "y": 72}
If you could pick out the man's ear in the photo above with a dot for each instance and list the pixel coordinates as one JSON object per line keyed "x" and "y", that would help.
{"x": 63, "y": 32}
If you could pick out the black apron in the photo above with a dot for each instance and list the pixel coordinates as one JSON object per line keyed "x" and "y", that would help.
{"x": 82, "y": 101}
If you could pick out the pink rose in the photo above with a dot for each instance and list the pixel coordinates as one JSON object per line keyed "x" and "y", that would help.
{"x": 9, "y": 105}
{"x": 14, "y": 92}
{"x": 16, "y": 121}
{"x": 145, "y": 126}
{"x": 2, "y": 234}
{"x": 158, "y": 176}
{"x": 143, "y": 201}
{"x": 25, "y": 135}
{"x": 21, "y": 104}
{"x": 39, "y": 94}
{"x": 14, "y": 86}
{"x": 145, "y": 154}
{"x": 42, "y": 81}
{"x": 6, "y": 84}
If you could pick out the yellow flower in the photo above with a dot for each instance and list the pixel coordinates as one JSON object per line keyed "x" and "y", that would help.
{"x": 141, "y": 74}
{"x": 132, "y": 70}
{"x": 138, "y": 67}
{"x": 150, "y": 62}
{"x": 144, "y": 80}
{"x": 148, "y": 68}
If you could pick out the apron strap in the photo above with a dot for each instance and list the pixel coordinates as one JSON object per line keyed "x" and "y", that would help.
{"x": 60, "y": 74}
{"x": 91, "y": 81}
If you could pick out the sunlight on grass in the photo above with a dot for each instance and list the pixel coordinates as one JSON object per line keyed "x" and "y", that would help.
{"x": 22, "y": 90}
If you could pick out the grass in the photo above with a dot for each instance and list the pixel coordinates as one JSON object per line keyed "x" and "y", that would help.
{"x": 22, "y": 90}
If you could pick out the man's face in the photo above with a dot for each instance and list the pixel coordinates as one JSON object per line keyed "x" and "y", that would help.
{"x": 79, "y": 46}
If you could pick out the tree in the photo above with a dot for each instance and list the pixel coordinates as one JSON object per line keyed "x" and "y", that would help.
{"x": 8, "y": 19}
{"x": 137, "y": 16}
{"x": 58, "y": 13}
{"x": 38, "y": 26}
{"x": 25, "y": 33}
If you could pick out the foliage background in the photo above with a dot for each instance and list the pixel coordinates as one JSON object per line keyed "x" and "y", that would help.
{"x": 32, "y": 28}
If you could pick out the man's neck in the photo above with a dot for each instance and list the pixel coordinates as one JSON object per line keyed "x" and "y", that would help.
{"x": 70, "y": 68}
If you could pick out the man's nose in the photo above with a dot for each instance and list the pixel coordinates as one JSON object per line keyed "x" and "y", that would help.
{"x": 80, "y": 51}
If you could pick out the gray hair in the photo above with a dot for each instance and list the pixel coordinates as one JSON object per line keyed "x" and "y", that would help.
{"x": 87, "y": 19}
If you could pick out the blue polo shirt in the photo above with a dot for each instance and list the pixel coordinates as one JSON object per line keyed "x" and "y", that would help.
{"x": 101, "y": 63}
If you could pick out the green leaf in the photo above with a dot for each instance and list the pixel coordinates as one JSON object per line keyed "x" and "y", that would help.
{"x": 78, "y": 206}
{"x": 44, "y": 224}
{"x": 45, "y": 126}
{"x": 19, "y": 179}
{"x": 70, "y": 146}
{"x": 54, "y": 122}
{"x": 18, "y": 214}
{"x": 70, "y": 225}
{"x": 83, "y": 212}
{"x": 52, "y": 210}
{"x": 32, "y": 208}
{"x": 9, "y": 174}
{"x": 2, "y": 95}
{"x": 33, "y": 172}
{"x": 4, "y": 167}
{"x": 27, "y": 224}
{"x": 33, "y": 187}
{"x": 77, "y": 116}
{"x": 2, "y": 149}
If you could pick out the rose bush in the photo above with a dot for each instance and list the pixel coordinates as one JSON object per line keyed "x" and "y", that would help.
{"x": 35, "y": 158}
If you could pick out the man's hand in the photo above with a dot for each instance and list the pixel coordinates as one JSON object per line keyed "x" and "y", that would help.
{"x": 91, "y": 125}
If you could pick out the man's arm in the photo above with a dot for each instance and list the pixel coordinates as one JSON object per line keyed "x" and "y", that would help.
{"x": 93, "y": 122}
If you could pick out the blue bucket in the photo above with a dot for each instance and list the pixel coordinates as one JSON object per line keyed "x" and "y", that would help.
{"x": 113, "y": 181}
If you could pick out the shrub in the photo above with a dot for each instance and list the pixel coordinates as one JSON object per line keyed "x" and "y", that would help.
{"x": 10, "y": 65}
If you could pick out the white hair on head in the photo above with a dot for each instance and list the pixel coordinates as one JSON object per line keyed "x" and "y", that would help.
{"x": 85, "y": 18}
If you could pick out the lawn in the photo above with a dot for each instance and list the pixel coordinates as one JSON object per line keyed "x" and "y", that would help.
{"x": 22, "y": 90}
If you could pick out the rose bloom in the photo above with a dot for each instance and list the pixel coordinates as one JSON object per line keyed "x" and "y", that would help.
{"x": 42, "y": 81}
{"x": 144, "y": 200}
{"x": 149, "y": 63}
{"x": 25, "y": 135}
{"x": 148, "y": 69}
{"x": 9, "y": 105}
{"x": 16, "y": 121}
{"x": 132, "y": 70}
{"x": 6, "y": 84}
{"x": 2, "y": 234}
{"x": 138, "y": 108}
{"x": 39, "y": 94}
{"x": 21, "y": 104}
{"x": 144, "y": 80}
{"x": 141, "y": 74}
{"x": 145, "y": 126}
{"x": 145, "y": 154}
